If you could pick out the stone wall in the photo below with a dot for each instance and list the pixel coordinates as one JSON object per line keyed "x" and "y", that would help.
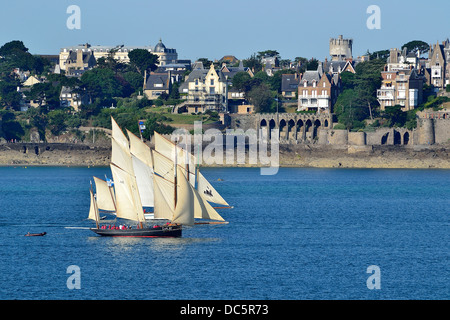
{"x": 433, "y": 128}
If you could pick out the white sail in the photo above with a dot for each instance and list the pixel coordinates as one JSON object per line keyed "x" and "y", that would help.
{"x": 184, "y": 159}
{"x": 164, "y": 198}
{"x": 118, "y": 135}
{"x": 184, "y": 210}
{"x": 127, "y": 197}
{"x": 105, "y": 198}
{"x": 93, "y": 213}
{"x": 207, "y": 191}
{"x": 203, "y": 210}
{"x": 121, "y": 157}
{"x": 163, "y": 166}
{"x": 144, "y": 180}
{"x": 140, "y": 149}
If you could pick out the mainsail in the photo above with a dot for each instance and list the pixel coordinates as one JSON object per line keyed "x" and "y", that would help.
{"x": 164, "y": 198}
{"x": 105, "y": 196}
{"x": 127, "y": 197}
{"x": 184, "y": 211}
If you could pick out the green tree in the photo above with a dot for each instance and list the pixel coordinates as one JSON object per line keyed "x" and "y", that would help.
{"x": 254, "y": 63}
{"x": 9, "y": 97}
{"x": 416, "y": 45}
{"x": 16, "y": 55}
{"x": 239, "y": 80}
{"x": 312, "y": 64}
{"x": 261, "y": 97}
{"x": 10, "y": 127}
{"x": 135, "y": 79}
{"x": 101, "y": 83}
{"x": 395, "y": 115}
{"x": 143, "y": 60}
{"x": 56, "y": 121}
{"x": 268, "y": 53}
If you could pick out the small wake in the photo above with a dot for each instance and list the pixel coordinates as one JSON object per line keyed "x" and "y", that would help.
{"x": 85, "y": 228}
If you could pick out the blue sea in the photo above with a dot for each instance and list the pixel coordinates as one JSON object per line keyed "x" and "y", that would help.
{"x": 300, "y": 234}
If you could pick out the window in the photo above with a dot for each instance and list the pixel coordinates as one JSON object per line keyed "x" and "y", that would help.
{"x": 304, "y": 84}
{"x": 196, "y": 83}
{"x": 314, "y": 84}
{"x": 211, "y": 90}
{"x": 324, "y": 84}
{"x": 212, "y": 82}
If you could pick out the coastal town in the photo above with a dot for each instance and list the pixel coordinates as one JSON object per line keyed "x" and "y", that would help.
{"x": 396, "y": 97}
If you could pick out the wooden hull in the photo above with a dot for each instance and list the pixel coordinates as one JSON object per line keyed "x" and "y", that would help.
{"x": 165, "y": 231}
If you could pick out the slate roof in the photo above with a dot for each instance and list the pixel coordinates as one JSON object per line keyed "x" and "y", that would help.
{"x": 158, "y": 79}
{"x": 289, "y": 82}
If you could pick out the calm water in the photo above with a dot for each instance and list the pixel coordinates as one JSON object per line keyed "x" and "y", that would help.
{"x": 301, "y": 234}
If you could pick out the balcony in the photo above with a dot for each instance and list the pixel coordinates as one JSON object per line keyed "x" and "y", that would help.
{"x": 385, "y": 93}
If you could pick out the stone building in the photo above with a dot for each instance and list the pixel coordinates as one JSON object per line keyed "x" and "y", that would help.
{"x": 79, "y": 61}
{"x": 341, "y": 49}
{"x": 156, "y": 84}
{"x": 289, "y": 85}
{"x": 71, "y": 97}
{"x": 120, "y": 53}
{"x": 318, "y": 90}
{"x": 438, "y": 67}
{"x": 401, "y": 87}
{"x": 205, "y": 90}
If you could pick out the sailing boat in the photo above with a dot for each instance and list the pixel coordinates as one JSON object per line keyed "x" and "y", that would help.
{"x": 142, "y": 180}
{"x": 127, "y": 199}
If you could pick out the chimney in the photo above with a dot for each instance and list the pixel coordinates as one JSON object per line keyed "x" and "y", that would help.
{"x": 145, "y": 78}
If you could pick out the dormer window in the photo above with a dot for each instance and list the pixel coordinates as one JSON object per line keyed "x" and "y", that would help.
{"x": 304, "y": 84}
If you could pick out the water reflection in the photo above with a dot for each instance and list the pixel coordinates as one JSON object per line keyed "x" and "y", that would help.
{"x": 122, "y": 244}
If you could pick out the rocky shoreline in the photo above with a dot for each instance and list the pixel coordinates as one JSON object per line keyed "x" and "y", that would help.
{"x": 420, "y": 157}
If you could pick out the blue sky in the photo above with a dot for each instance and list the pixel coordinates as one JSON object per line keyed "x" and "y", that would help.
{"x": 213, "y": 28}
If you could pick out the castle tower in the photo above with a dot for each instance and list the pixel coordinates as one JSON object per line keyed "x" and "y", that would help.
{"x": 340, "y": 49}
{"x": 426, "y": 131}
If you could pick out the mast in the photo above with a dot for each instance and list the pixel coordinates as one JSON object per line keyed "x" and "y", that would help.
{"x": 186, "y": 158}
{"x": 198, "y": 164}
{"x": 175, "y": 178}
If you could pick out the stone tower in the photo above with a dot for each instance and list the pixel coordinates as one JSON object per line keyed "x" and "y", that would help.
{"x": 340, "y": 49}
